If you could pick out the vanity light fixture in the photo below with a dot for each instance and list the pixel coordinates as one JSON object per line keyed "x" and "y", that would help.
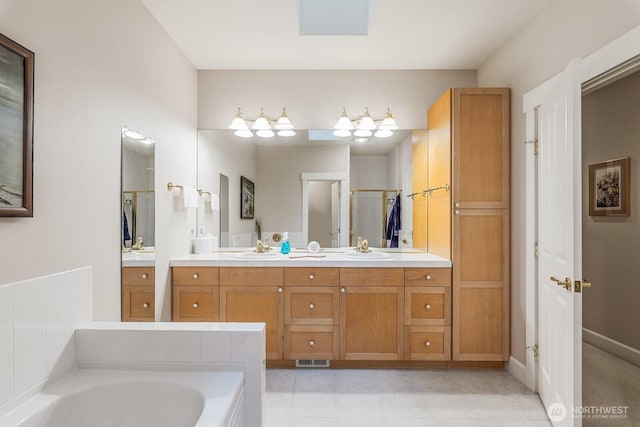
{"x": 365, "y": 125}
{"x": 262, "y": 125}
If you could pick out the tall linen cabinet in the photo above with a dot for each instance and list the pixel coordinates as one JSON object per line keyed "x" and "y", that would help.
{"x": 468, "y": 149}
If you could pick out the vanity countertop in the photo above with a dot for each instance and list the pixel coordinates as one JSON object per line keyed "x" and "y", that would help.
{"x": 138, "y": 259}
{"x": 330, "y": 257}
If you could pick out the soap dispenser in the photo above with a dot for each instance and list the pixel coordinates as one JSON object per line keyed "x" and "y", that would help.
{"x": 285, "y": 246}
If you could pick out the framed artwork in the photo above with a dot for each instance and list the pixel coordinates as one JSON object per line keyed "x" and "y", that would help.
{"x": 16, "y": 129}
{"x": 246, "y": 198}
{"x": 609, "y": 188}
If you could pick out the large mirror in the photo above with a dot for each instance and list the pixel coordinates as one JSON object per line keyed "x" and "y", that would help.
{"x": 313, "y": 185}
{"x": 138, "y": 199}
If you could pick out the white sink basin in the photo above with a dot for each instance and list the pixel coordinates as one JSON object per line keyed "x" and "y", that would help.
{"x": 256, "y": 255}
{"x": 366, "y": 255}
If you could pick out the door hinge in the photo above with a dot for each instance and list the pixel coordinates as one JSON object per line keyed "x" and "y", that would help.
{"x": 535, "y": 145}
{"x": 536, "y": 352}
{"x": 536, "y": 252}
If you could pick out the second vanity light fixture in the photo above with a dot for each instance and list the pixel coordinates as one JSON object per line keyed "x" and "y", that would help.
{"x": 262, "y": 125}
{"x": 365, "y": 126}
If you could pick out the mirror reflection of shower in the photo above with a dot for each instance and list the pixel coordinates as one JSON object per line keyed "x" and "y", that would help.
{"x": 370, "y": 210}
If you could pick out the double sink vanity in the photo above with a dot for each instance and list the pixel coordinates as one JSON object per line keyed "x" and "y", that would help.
{"x": 336, "y": 304}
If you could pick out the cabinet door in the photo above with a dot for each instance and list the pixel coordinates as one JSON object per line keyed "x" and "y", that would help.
{"x": 248, "y": 303}
{"x": 481, "y": 284}
{"x": 195, "y": 303}
{"x": 371, "y": 322}
{"x": 481, "y": 148}
{"x": 428, "y": 306}
{"x": 419, "y": 184}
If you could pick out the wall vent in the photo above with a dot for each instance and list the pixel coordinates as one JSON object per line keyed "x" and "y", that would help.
{"x": 312, "y": 363}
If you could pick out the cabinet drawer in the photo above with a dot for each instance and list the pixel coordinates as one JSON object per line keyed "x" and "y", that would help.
{"x": 195, "y": 276}
{"x": 310, "y": 276}
{"x": 428, "y": 342}
{"x": 138, "y": 276}
{"x": 195, "y": 303}
{"x": 427, "y": 276}
{"x": 138, "y": 303}
{"x": 428, "y": 306}
{"x": 311, "y": 342}
{"x": 263, "y": 276}
{"x": 371, "y": 277}
{"x": 311, "y": 305}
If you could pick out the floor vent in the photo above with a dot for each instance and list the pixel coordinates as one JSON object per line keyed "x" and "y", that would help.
{"x": 312, "y": 363}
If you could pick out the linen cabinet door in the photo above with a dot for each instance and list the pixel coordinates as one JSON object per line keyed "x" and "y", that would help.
{"x": 481, "y": 148}
{"x": 481, "y": 285}
{"x": 249, "y": 303}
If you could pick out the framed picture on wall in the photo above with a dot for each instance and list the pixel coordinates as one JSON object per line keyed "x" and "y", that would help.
{"x": 246, "y": 198}
{"x": 609, "y": 188}
{"x": 16, "y": 129}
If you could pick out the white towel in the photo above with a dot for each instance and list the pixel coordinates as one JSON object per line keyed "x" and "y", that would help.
{"x": 215, "y": 202}
{"x": 190, "y": 197}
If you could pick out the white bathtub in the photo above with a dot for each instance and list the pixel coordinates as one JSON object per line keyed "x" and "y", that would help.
{"x": 127, "y": 398}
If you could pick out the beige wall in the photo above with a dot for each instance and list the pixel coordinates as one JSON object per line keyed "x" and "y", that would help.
{"x": 564, "y": 30}
{"x": 611, "y": 130}
{"x": 98, "y": 65}
{"x": 314, "y": 99}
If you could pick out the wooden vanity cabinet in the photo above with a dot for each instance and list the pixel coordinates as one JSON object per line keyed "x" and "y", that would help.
{"x": 138, "y": 294}
{"x": 255, "y": 294}
{"x": 195, "y": 294}
{"x": 311, "y": 313}
{"x": 371, "y": 313}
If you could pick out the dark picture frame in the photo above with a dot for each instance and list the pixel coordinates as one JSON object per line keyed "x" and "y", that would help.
{"x": 16, "y": 129}
{"x": 247, "y": 198}
{"x": 609, "y": 188}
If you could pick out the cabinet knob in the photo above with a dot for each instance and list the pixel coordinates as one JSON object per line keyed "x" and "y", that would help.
{"x": 312, "y": 343}
{"x": 195, "y": 275}
{"x": 343, "y": 290}
{"x": 427, "y": 343}
{"x": 312, "y": 306}
{"x": 145, "y": 305}
{"x": 311, "y": 277}
{"x": 427, "y": 277}
{"x": 457, "y": 212}
{"x": 144, "y": 275}
{"x": 457, "y": 205}
{"x": 427, "y": 307}
{"x": 195, "y": 305}
{"x": 280, "y": 290}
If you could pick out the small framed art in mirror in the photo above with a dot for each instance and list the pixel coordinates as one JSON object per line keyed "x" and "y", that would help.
{"x": 16, "y": 129}
{"x": 246, "y": 198}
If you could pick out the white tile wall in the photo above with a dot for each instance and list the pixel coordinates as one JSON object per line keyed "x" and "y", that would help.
{"x": 37, "y": 318}
{"x": 202, "y": 345}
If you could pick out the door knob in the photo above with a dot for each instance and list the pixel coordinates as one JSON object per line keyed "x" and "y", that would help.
{"x": 566, "y": 283}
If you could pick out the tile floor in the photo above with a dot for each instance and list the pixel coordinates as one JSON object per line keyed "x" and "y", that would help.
{"x": 399, "y": 398}
{"x": 609, "y": 381}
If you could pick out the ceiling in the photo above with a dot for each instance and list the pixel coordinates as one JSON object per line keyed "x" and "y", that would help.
{"x": 402, "y": 34}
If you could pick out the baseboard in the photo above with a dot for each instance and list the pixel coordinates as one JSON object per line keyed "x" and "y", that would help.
{"x": 517, "y": 369}
{"x": 616, "y": 348}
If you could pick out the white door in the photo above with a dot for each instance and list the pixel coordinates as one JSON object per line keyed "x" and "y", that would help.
{"x": 335, "y": 214}
{"x": 560, "y": 248}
